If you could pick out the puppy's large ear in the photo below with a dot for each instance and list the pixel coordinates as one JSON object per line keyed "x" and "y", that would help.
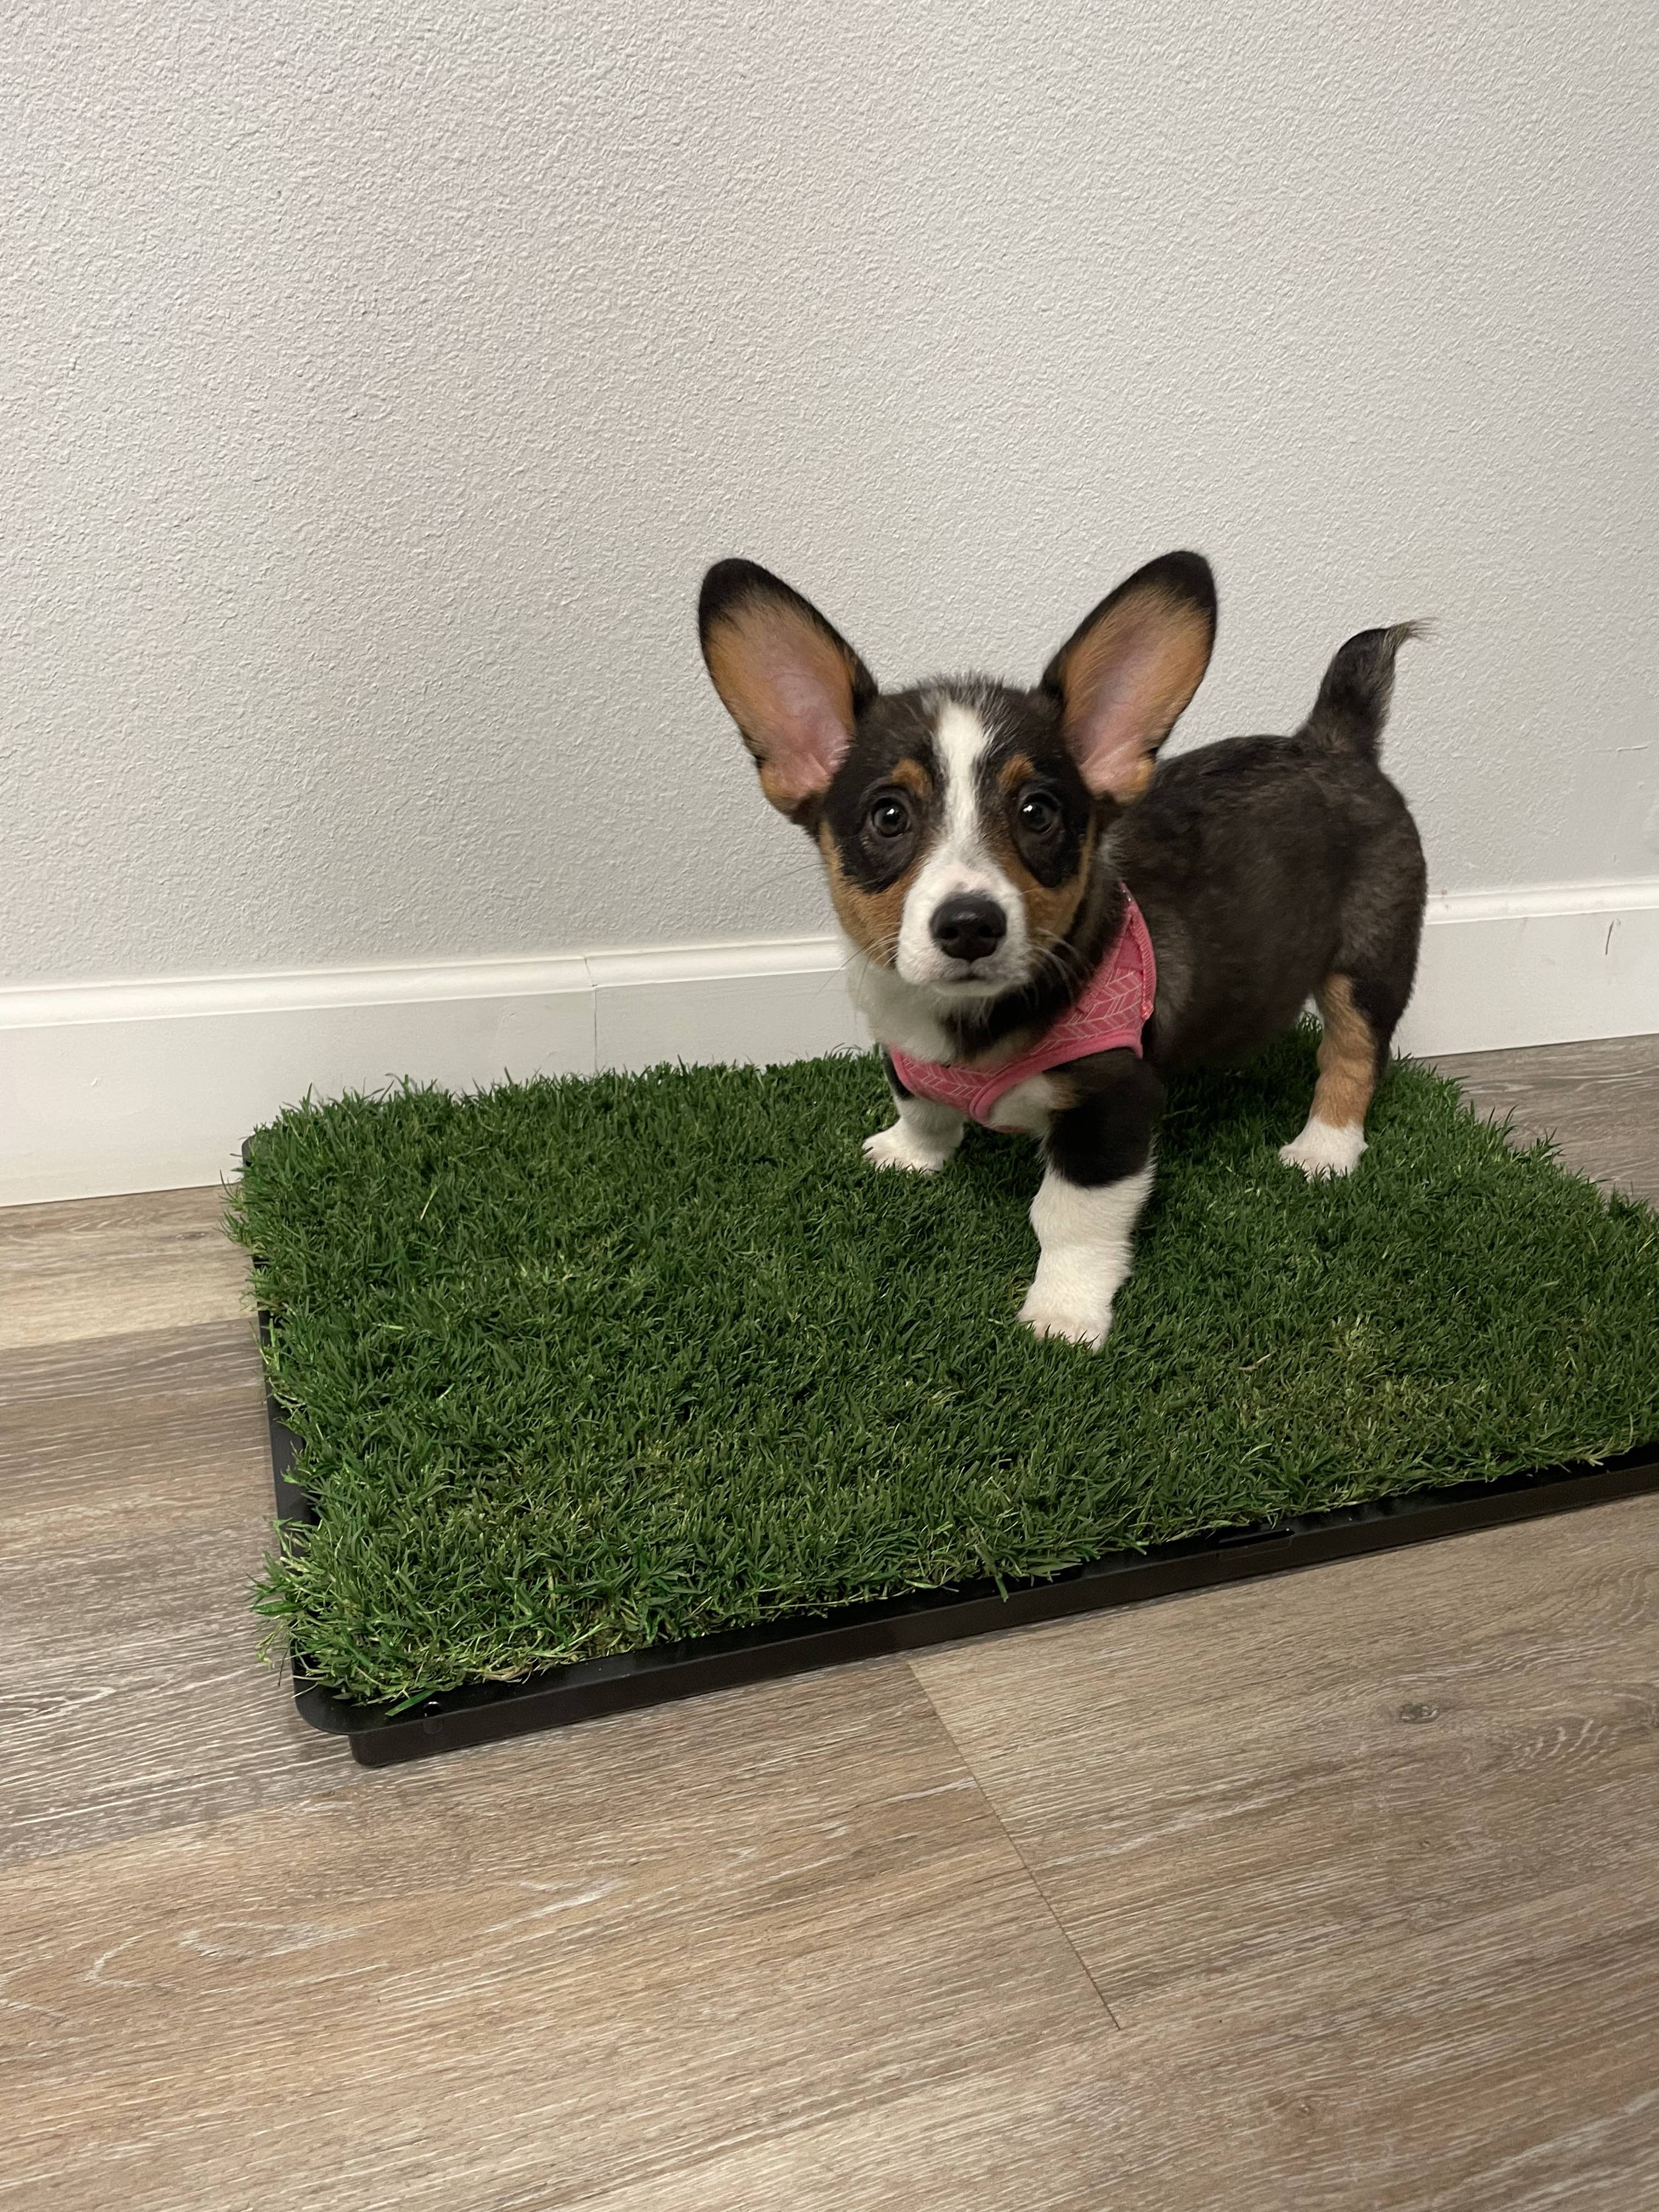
{"x": 792, "y": 685}
{"x": 1127, "y": 672}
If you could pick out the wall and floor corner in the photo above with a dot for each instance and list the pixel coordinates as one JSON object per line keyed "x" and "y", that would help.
{"x": 383, "y": 379}
{"x": 148, "y": 1086}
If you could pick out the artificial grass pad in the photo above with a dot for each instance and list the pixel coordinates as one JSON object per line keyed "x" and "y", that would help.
{"x": 582, "y": 1365}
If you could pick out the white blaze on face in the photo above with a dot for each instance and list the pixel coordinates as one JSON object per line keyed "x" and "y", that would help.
{"x": 958, "y": 864}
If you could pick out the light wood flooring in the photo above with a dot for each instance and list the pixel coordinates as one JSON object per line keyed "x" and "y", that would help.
{"x": 1340, "y": 1890}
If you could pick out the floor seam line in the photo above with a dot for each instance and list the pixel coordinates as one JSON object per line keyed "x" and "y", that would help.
{"x": 1029, "y": 1871}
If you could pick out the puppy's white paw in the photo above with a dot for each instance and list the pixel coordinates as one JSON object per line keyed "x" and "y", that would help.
{"x": 1066, "y": 1315}
{"x": 1324, "y": 1149}
{"x": 898, "y": 1147}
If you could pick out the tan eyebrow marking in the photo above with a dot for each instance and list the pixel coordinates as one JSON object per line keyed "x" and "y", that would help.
{"x": 910, "y": 776}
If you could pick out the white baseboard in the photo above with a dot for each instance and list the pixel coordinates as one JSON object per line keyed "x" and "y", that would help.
{"x": 148, "y": 1086}
{"x": 145, "y": 1087}
{"x": 1551, "y": 965}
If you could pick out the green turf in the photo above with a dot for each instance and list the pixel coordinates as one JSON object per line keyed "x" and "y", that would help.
{"x": 582, "y": 1365}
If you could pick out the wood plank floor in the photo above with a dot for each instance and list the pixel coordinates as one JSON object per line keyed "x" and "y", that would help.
{"x": 1336, "y": 1891}
{"x": 1600, "y": 1102}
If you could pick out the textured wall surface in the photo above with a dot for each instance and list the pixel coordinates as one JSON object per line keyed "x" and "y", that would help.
{"x": 379, "y": 376}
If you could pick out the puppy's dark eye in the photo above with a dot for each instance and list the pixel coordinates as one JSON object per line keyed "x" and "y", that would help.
{"x": 889, "y": 817}
{"x": 1038, "y": 813}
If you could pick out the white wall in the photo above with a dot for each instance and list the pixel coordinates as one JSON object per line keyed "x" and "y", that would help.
{"x": 380, "y": 377}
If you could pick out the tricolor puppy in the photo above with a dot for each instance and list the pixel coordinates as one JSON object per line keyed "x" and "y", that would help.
{"x": 1044, "y": 922}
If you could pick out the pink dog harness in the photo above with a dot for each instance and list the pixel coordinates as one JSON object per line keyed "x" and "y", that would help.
{"x": 1110, "y": 1015}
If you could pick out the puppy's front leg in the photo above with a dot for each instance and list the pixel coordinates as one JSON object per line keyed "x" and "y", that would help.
{"x": 1099, "y": 1174}
{"x": 922, "y": 1139}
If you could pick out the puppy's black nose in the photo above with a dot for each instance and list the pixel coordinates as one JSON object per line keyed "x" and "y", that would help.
{"x": 969, "y": 927}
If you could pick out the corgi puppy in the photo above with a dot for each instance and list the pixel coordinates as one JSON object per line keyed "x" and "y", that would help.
{"x": 1044, "y": 922}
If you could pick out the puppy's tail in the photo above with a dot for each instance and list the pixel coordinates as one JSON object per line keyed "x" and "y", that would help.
{"x": 1353, "y": 700}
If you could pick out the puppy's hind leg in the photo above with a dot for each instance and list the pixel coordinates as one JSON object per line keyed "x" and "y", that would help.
{"x": 1362, "y": 999}
{"x": 1350, "y": 1062}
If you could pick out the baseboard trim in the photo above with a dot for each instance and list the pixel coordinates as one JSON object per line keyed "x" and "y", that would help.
{"x": 1556, "y": 964}
{"x": 150, "y": 1084}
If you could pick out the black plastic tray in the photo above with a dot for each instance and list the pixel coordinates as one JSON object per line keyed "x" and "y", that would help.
{"x": 556, "y": 1696}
